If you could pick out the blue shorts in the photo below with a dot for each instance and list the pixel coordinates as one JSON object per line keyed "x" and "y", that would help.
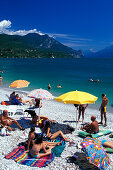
{"x": 103, "y": 141}
{"x": 103, "y": 109}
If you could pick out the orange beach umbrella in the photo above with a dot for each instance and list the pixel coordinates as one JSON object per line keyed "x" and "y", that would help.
{"x": 19, "y": 84}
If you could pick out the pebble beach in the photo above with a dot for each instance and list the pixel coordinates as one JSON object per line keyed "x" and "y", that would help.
{"x": 63, "y": 114}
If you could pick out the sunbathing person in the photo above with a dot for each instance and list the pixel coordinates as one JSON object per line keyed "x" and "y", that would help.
{"x": 32, "y": 137}
{"x": 15, "y": 100}
{"x": 38, "y": 120}
{"x": 38, "y": 146}
{"x": 23, "y": 101}
{"x": 91, "y": 127}
{"x": 106, "y": 143}
{"x": 7, "y": 121}
{"x": 46, "y": 130}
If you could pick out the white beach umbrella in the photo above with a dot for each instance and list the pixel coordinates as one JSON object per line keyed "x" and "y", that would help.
{"x": 40, "y": 94}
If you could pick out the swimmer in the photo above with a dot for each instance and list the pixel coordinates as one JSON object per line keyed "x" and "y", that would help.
{"x": 49, "y": 86}
{"x": 59, "y": 86}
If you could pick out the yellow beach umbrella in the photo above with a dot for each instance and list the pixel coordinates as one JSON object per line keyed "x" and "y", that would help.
{"x": 77, "y": 97}
{"x": 19, "y": 84}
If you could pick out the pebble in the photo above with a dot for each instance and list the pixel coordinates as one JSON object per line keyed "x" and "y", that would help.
{"x": 64, "y": 114}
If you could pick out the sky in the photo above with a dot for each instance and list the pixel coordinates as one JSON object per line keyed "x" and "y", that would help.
{"x": 79, "y": 24}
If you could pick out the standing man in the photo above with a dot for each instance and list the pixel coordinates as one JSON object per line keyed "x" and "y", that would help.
{"x": 103, "y": 109}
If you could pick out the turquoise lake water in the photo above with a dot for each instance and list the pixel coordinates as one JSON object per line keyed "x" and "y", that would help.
{"x": 72, "y": 74}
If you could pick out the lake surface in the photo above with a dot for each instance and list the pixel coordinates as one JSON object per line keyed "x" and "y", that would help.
{"x": 71, "y": 74}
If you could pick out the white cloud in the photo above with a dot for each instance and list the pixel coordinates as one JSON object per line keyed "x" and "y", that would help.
{"x": 6, "y": 24}
{"x": 20, "y": 32}
{"x": 75, "y": 45}
{"x": 68, "y": 37}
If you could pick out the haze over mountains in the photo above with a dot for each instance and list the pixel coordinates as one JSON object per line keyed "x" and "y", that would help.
{"x": 35, "y": 45}
{"x": 105, "y": 53}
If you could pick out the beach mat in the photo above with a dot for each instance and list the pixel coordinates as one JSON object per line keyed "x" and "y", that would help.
{"x": 100, "y": 133}
{"x": 109, "y": 150}
{"x": 20, "y": 156}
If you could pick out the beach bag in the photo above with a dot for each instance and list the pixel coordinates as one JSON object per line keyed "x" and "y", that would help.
{"x": 3, "y": 131}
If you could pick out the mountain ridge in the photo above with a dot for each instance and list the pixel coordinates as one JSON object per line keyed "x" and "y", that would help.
{"x": 104, "y": 53}
{"x": 35, "y": 45}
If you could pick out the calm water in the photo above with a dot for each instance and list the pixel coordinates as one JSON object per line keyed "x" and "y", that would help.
{"x": 72, "y": 74}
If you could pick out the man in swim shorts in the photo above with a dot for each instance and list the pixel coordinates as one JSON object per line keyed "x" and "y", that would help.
{"x": 103, "y": 109}
{"x": 7, "y": 121}
{"x": 91, "y": 127}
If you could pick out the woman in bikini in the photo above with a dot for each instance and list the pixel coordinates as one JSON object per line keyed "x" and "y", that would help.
{"x": 46, "y": 130}
{"x": 33, "y": 136}
{"x": 37, "y": 146}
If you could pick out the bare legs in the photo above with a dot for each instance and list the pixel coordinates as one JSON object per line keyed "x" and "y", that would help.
{"x": 27, "y": 101}
{"x": 57, "y": 134}
{"x": 108, "y": 144}
{"x": 80, "y": 115}
{"x": 105, "y": 118}
{"x": 13, "y": 122}
{"x": 46, "y": 143}
{"x": 103, "y": 114}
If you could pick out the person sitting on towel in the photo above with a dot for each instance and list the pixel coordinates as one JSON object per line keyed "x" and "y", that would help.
{"x": 38, "y": 120}
{"x": 38, "y": 146}
{"x": 7, "y": 121}
{"x": 49, "y": 135}
{"x": 33, "y": 136}
{"x": 91, "y": 127}
{"x": 23, "y": 101}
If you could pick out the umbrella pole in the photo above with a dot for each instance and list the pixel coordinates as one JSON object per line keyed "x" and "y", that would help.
{"x": 38, "y": 114}
{"x": 76, "y": 119}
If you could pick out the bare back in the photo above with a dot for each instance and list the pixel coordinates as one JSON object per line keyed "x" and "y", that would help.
{"x": 94, "y": 127}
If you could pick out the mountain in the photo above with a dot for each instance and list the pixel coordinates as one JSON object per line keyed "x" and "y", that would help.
{"x": 104, "y": 53}
{"x": 88, "y": 53}
{"x": 35, "y": 45}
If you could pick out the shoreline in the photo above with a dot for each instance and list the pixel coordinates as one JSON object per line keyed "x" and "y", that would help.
{"x": 94, "y": 106}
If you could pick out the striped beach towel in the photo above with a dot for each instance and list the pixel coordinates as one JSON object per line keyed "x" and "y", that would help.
{"x": 20, "y": 156}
